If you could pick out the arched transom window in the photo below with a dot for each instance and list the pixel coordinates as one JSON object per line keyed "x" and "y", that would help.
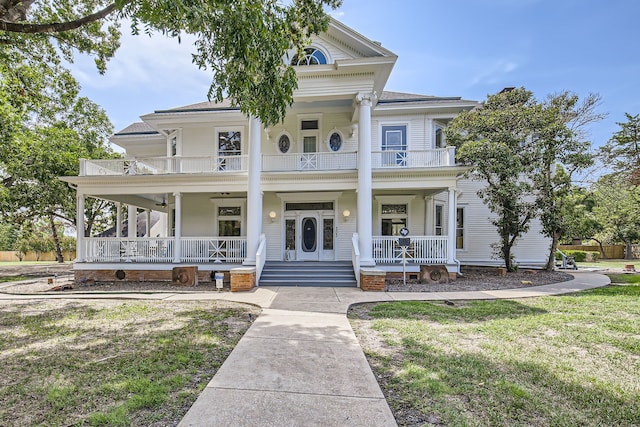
{"x": 312, "y": 56}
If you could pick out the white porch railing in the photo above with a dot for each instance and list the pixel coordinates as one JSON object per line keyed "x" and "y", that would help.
{"x": 355, "y": 256}
{"x": 422, "y": 250}
{"x": 309, "y": 162}
{"x": 161, "y": 249}
{"x": 164, "y": 165}
{"x": 413, "y": 159}
{"x": 141, "y": 249}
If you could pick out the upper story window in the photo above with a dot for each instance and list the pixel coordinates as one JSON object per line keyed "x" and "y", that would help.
{"x": 312, "y": 56}
{"x": 284, "y": 143}
{"x": 439, "y": 141}
{"x": 229, "y": 147}
{"x": 335, "y": 141}
{"x": 229, "y": 143}
{"x": 394, "y": 139}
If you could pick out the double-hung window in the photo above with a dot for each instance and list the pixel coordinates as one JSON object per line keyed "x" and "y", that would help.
{"x": 229, "y": 150}
{"x": 394, "y": 145}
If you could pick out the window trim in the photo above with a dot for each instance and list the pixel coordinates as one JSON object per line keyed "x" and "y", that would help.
{"x": 309, "y": 132}
{"x": 328, "y": 141}
{"x": 229, "y": 202}
{"x": 435, "y": 219}
{"x": 216, "y": 136}
{"x": 394, "y": 200}
{"x": 321, "y": 49}
{"x": 463, "y": 209}
{"x": 439, "y": 125}
{"x": 291, "y": 142}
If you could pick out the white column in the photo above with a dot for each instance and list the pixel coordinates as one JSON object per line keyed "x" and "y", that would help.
{"x": 451, "y": 226}
{"x": 177, "y": 244}
{"x": 118, "y": 219}
{"x": 365, "y": 210}
{"x": 80, "y": 255}
{"x": 254, "y": 193}
{"x": 132, "y": 222}
{"x": 147, "y": 222}
{"x": 429, "y": 216}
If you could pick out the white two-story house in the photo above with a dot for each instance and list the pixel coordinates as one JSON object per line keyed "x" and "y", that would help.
{"x": 350, "y": 166}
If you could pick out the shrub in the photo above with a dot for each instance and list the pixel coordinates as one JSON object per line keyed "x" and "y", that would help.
{"x": 579, "y": 256}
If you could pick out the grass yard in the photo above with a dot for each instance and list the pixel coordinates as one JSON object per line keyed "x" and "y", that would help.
{"x": 116, "y": 363}
{"x": 556, "y": 361}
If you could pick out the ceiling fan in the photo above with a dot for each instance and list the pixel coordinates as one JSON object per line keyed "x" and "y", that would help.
{"x": 162, "y": 204}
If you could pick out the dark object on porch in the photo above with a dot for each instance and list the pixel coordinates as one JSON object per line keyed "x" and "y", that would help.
{"x": 430, "y": 274}
{"x": 120, "y": 274}
{"x": 185, "y": 276}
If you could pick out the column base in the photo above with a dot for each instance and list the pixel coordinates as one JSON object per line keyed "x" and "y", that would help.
{"x": 243, "y": 279}
{"x": 372, "y": 279}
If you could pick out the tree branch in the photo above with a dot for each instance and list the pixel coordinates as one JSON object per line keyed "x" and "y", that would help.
{"x": 57, "y": 27}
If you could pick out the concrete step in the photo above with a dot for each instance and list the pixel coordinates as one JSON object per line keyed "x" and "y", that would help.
{"x": 299, "y": 273}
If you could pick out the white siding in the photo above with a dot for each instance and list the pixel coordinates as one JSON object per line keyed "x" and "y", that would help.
{"x": 531, "y": 249}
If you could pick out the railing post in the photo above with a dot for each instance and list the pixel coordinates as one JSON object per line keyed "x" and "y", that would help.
{"x": 451, "y": 155}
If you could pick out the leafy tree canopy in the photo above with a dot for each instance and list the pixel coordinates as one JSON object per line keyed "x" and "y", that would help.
{"x": 243, "y": 42}
{"x": 622, "y": 151}
{"x": 514, "y": 144}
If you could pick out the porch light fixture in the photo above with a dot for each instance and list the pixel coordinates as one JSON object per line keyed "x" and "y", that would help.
{"x": 272, "y": 215}
{"x": 345, "y": 214}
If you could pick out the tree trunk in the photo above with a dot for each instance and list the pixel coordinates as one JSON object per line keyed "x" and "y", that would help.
{"x": 551, "y": 261}
{"x": 56, "y": 239}
{"x": 602, "y": 253}
{"x": 628, "y": 251}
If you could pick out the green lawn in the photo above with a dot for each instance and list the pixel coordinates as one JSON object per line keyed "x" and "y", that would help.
{"x": 554, "y": 361}
{"x": 111, "y": 363}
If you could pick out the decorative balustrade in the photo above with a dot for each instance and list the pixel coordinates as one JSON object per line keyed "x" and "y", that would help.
{"x": 161, "y": 249}
{"x": 422, "y": 250}
{"x": 164, "y": 165}
{"x": 309, "y": 162}
{"x": 270, "y": 163}
{"x": 394, "y": 159}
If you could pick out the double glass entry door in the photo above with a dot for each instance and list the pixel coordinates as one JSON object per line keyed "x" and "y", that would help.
{"x": 309, "y": 237}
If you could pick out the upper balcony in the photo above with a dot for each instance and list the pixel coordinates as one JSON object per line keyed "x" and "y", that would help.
{"x": 298, "y": 162}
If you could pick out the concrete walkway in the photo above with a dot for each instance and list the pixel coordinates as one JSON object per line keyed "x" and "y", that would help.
{"x": 300, "y": 362}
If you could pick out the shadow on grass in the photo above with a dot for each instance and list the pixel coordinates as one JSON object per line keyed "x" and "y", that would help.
{"x": 469, "y": 389}
{"x": 134, "y": 363}
{"x": 465, "y": 311}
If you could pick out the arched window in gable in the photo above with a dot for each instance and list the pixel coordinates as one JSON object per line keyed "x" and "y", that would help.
{"x": 312, "y": 56}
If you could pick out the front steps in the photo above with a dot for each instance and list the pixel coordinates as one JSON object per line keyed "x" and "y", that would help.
{"x": 308, "y": 273}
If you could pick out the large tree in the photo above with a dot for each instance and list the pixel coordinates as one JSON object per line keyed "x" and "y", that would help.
{"x": 617, "y": 202}
{"x": 242, "y": 42}
{"x": 622, "y": 151}
{"x": 526, "y": 152}
{"x": 561, "y": 150}
{"x": 494, "y": 139}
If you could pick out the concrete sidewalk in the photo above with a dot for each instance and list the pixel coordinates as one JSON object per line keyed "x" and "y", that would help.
{"x": 300, "y": 363}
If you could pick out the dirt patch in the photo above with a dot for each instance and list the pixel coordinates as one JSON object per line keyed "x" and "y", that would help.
{"x": 483, "y": 280}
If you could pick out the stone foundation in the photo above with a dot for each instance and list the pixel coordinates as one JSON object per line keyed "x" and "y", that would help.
{"x": 243, "y": 279}
{"x": 204, "y": 276}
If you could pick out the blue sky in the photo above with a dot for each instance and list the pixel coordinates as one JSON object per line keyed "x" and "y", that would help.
{"x": 468, "y": 48}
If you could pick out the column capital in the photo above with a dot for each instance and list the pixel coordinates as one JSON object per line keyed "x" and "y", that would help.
{"x": 177, "y": 194}
{"x": 366, "y": 98}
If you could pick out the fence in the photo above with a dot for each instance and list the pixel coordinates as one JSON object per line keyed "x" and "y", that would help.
{"x": 11, "y": 256}
{"x": 610, "y": 251}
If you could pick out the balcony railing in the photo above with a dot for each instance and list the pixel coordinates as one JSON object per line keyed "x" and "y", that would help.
{"x": 164, "y": 165}
{"x": 395, "y": 159}
{"x": 161, "y": 249}
{"x": 270, "y": 163}
{"x": 422, "y": 250}
{"x": 309, "y": 162}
